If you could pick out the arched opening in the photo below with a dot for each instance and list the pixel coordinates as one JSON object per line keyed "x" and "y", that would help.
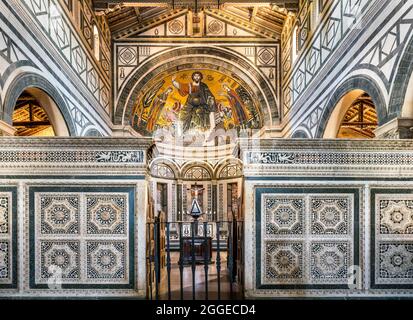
{"x": 36, "y": 114}
{"x": 48, "y": 98}
{"x": 354, "y": 117}
{"x": 299, "y": 134}
{"x": 401, "y": 99}
{"x": 342, "y": 99}
{"x": 407, "y": 108}
{"x": 360, "y": 120}
{"x": 30, "y": 118}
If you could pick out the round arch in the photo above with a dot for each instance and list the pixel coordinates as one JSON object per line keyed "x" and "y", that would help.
{"x": 218, "y": 57}
{"x": 91, "y": 132}
{"x": 401, "y": 98}
{"x": 300, "y": 134}
{"x": 224, "y": 163}
{"x": 342, "y": 98}
{"x": 50, "y": 99}
{"x": 166, "y": 162}
{"x": 199, "y": 164}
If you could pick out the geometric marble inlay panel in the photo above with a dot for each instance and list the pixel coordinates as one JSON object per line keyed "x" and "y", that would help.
{"x": 284, "y": 215}
{"x": 5, "y": 210}
{"x": 106, "y": 260}
{"x": 62, "y": 254}
{"x": 284, "y": 262}
{"x": 396, "y": 216}
{"x": 307, "y": 237}
{"x": 330, "y": 215}
{"x": 4, "y": 260}
{"x": 59, "y": 214}
{"x": 8, "y": 237}
{"x": 106, "y": 214}
{"x": 392, "y": 238}
{"x": 330, "y": 261}
{"x": 82, "y": 233}
{"x": 395, "y": 262}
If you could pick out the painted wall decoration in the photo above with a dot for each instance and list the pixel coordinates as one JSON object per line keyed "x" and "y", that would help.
{"x": 195, "y": 101}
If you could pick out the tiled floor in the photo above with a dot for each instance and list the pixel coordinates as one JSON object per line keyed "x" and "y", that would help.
{"x": 200, "y": 290}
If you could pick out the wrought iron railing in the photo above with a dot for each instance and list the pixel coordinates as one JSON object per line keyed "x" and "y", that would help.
{"x": 197, "y": 242}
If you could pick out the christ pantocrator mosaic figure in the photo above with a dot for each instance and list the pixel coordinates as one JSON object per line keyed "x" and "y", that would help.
{"x": 200, "y": 103}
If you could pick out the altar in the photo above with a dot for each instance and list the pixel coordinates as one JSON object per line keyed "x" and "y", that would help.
{"x": 202, "y": 250}
{"x": 197, "y": 246}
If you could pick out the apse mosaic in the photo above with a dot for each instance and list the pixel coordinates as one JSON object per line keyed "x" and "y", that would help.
{"x": 195, "y": 101}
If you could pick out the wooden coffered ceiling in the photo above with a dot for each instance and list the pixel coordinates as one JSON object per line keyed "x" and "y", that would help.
{"x": 131, "y": 17}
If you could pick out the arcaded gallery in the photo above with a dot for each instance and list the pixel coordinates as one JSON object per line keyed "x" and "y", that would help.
{"x": 206, "y": 149}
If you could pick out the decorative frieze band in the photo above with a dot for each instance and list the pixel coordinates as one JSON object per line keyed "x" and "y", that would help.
{"x": 269, "y": 158}
{"x": 73, "y": 156}
{"x": 120, "y": 156}
{"x": 328, "y": 158}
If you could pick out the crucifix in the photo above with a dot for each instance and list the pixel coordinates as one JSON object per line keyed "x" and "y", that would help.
{"x": 196, "y": 190}
{"x": 196, "y": 210}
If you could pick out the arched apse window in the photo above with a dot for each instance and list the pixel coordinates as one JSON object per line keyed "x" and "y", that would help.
{"x": 36, "y": 114}
{"x": 197, "y": 173}
{"x": 160, "y": 170}
{"x": 354, "y": 117}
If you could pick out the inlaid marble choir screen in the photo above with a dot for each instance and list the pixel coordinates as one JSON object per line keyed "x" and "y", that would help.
{"x": 195, "y": 100}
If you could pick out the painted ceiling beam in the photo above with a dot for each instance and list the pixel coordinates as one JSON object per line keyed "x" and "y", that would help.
{"x": 148, "y": 24}
{"x": 291, "y": 5}
{"x": 245, "y": 24}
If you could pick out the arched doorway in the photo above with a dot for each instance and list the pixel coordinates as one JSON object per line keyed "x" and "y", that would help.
{"x": 30, "y": 118}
